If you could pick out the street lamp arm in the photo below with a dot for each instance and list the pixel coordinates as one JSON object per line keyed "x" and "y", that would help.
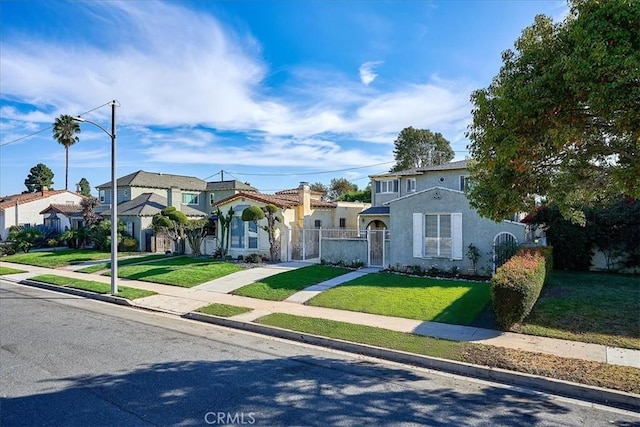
{"x": 83, "y": 120}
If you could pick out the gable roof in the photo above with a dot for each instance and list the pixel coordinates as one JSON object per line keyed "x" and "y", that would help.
{"x": 426, "y": 190}
{"x": 158, "y": 180}
{"x": 66, "y": 209}
{"x": 149, "y": 204}
{"x": 229, "y": 185}
{"x": 460, "y": 164}
{"x": 10, "y": 201}
{"x": 282, "y": 201}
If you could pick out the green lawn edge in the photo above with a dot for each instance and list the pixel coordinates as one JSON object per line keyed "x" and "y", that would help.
{"x": 223, "y": 310}
{"x": 92, "y": 286}
{"x": 623, "y": 378}
{"x": 121, "y": 262}
{"x": 8, "y": 270}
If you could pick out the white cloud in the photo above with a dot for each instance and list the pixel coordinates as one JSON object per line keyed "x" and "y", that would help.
{"x": 367, "y": 73}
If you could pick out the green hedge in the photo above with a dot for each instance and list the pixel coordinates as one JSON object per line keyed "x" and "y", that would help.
{"x": 516, "y": 286}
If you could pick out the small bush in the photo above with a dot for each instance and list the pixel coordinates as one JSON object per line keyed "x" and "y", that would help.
{"x": 516, "y": 286}
{"x": 129, "y": 244}
{"x": 254, "y": 258}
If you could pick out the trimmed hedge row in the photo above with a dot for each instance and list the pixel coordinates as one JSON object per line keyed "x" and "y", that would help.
{"x": 516, "y": 286}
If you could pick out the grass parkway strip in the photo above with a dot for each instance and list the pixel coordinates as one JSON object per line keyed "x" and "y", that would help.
{"x": 60, "y": 258}
{"x": 89, "y": 285}
{"x": 121, "y": 262}
{"x": 614, "y": 377}
{"x": 7, "y": 270}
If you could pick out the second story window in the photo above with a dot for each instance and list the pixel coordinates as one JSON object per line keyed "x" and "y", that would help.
{"x": 343, "y": 222}
{"x": 189, "y": 199}
{"x": 411, "y": 185}
{"x": 212, "y": 198}
{"x": 387, "y": 186}
{"x": 464, "y": 182}
{"x": 103, "y": 196}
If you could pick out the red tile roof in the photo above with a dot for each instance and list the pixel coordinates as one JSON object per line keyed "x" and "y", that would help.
{"x": 283, "y": 201}
{"x": 10, "y": 201}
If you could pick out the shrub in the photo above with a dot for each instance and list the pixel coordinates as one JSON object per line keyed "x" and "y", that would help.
{"x": 254, "y": 258}
{"x": 129, "y": 244}
{"x": 516, "y": 286}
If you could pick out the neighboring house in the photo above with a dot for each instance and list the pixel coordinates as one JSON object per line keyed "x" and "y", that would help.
{"x": 63, "y": 217}
{"x": 427, "y": 221}
{"x": 303, "y": 214}
{"x": 143, "y": 194}
{"x": 27, "y": 208}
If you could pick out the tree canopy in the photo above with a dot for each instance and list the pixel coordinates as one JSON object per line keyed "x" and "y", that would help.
{"x": 415, "y": 148}
{"x": 64, "y": 131}
{"x": 85, "y": 188}
{"x": 339, "y": 187}
{"x": 562, "y": 118}
{"x": 40, "y": 176}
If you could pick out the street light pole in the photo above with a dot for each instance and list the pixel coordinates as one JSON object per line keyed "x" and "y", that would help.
{"x": 114, "y": 194}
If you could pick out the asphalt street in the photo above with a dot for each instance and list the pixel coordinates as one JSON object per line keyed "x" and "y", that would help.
{"x": 68, "y": 361}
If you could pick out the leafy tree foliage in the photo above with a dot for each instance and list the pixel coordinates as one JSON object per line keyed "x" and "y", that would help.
{"x": 89, "y": 214}
{"x": 561, "y": 118}
{"x": 64, "y": 131}
{"x": 170, "y": 222}
{"x": 339, "y": 187}
{"x": 613, "y": 229}
{"x": 39, "y": 176}
{"x": 357, "y": 195}
{"x": 85, "y": 188}
{"x": 415, "y": 148}
{"x": 100, "y": 234}
{"x": 195, "y": 230}
{"x": 24, "y": 238}
{"x": 320, "y": 188}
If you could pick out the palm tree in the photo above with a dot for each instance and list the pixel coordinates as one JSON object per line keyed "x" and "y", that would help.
{"x": 64, "y": 131}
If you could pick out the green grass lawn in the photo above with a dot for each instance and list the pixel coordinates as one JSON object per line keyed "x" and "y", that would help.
{"x": 281, "y": 286}
{"x": 590, "y": 307}
{"x": 593, "y": 373}
{"x": 121, "y": 262}
{"x": 180, "y": 271}
{"x": 60, "y": 258}
{"x": 223, "y": 310}
{"x": 97, "y": 287}
{"x": 419, "y": 298}
{"x": 7, "y": 270}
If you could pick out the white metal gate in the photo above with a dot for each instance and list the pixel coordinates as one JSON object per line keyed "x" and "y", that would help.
{"x": 375, "y": 242}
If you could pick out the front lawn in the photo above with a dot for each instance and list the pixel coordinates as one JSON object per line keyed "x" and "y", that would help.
{"x": 586, "y": 372}
{"x": 107, "y": 265}
{"x": 180, "y": 271}
{"x": 7, "y": 270}
{"x": 89, "y": 285}
{"x": 420, "y": 298}
{"x": 590, "y": 307}
{"x": 59, "y": 258}
{"x": 281, "y": 286}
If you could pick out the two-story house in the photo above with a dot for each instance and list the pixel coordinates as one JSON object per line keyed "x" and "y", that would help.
{"x": 141, "y": 195}
{"x": 429, "y": 221}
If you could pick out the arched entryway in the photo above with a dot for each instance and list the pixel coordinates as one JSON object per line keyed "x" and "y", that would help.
{"x": 505, "y": 245}
{"x": 376, "y": 231}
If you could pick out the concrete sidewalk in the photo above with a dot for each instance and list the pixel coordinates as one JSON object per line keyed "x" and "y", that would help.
{"x": 177, "y": 300}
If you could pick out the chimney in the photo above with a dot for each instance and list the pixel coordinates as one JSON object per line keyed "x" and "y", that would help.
{"x": 45, "y": 190}
{"x": 304, "y": 202}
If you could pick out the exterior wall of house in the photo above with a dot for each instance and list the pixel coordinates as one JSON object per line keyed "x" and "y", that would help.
{"x": 475, "y": 230}
{"x": 29, "y": 213}
{"x": 349, "y": 211}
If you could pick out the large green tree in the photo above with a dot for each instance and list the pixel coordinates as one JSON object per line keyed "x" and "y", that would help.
{"x": 85, "y": 187}
{"x": 64, "y": 131}
{"x": 416, "y": 148}
{"x": 172, "y": 223}
{"x": 40, "y": 176}
{"x": 562, "y": 117}
{"x": 339, "y": 187}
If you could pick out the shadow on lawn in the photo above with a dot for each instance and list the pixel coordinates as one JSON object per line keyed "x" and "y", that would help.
{"x": 300, "y": 390}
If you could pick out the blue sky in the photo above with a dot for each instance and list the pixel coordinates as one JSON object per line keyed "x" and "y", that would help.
{"x": 271, "y": 92}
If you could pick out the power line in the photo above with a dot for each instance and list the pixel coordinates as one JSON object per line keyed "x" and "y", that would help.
{"x": 310, "y": 173}
{"x": 49, "y": 128}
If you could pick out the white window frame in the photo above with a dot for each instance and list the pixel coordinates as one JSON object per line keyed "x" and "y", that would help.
{"x": 420, "y": 235}
{"x": 411, "y": 185}
{"x": 102, "y": 194}
{"x": 387, "y": 186}
{"x": 195, "y": 196}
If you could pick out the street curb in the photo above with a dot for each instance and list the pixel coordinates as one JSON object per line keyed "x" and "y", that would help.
{"x": 77, "y": 292}
{"x": 592, "y": 394}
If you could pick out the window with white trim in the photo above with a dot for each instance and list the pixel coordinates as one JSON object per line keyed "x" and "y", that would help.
{"x": 411, "y": 185}
{"x": 103, "y": 196}
{"x": 189, "y": 198}
{"x": 387, "y": 186}
{"x": 212, "y": 198}
{"x": 465, "y": 182}
{"x": 437, "y": 235}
